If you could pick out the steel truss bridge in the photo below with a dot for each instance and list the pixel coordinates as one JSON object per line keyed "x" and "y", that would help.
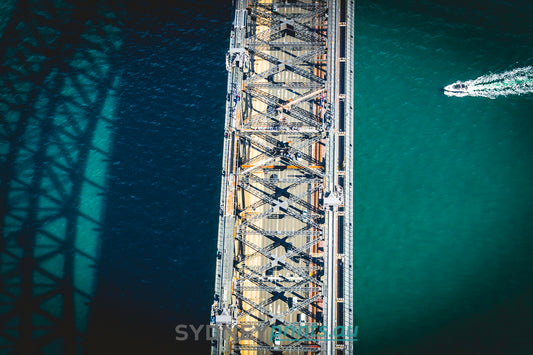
{"x": 284, "y": 258}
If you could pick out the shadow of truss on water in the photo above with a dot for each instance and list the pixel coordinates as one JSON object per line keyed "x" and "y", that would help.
{"x": 58, "y": 92}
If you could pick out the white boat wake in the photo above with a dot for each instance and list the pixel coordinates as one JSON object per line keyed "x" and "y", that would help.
{"x": 514, "y": 82}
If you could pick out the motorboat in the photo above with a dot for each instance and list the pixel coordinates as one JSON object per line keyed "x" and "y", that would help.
{"x": 456, "y": 89}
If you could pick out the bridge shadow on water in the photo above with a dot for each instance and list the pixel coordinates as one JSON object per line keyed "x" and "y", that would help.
{"x": 109, "y": 165}
{"x": 57, "y": 101}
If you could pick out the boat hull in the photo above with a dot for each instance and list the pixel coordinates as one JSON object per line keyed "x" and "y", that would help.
{"x": 456, "y": 89}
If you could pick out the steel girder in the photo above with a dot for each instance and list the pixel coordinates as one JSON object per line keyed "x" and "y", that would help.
{"x": 279, "y": 173}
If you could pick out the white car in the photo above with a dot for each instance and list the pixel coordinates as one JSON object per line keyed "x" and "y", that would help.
{"x": 277, "y": 341}
{"x": 301, "y": 319}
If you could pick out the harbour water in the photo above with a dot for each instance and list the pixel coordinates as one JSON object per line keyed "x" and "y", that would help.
{"x": 443, "y": 211}
{"x": 443, "y": 184}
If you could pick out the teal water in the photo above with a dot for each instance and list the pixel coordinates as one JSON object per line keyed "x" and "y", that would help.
{"x": 443, "y": 199}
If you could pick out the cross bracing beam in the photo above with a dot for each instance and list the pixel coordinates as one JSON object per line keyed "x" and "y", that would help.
{"x": 299, "y": 201}
{"x": 303, "y": 307}
{"x": 260, "y": 251}
{"x": 291, "y": 289}
{"x": 268, "y": 233}
{"x": 299, "y": 180}
{"x": 275, "y": 17}
{"x": 302, "y": 98}
{"x": 289, "y": 85}
{"x": 290, "y": 5}
{"x": 265, "y": 251}
{"x": 257, "y": 324}
{"x": 293, "y": 251}
{"x": 266, "y": 152}
{"x": 259, "y": 280}
{"x": 302, "y": 33}
{"x": 284, "y": 108}
{"x": 272, "y": 126}
{"x": 265, "y": 200}
{"x": 306, "y": 74}
{"x": 277, "y": 192}
{"x": 265, "y": 16}
{"x": 278, "y": 205}
{"x": 288, "y": 28}
{"x": 275, "y": 260}
{"x": 247, "y": 170}
{"x": 284, "y": 191}
{"x": 274, "y": 317}
{"x": 310, "y": 170}
{"x": 265, "y": 283}
{"x": 305, "y": 140}
{"x": 250, "y": 334}
{"x": 278, "y": 317}
{"x": 306, "y": 279}
{"x": 275, "y": 149}
{"x": 271, "y": 298}
{"x": 291, "y": 64}
{"x": 270, "y": 199}
{"x": 261, "y": 54}
{"x": 314, "y": 349}
{"x": 304, "y": 116}
{"x": 280, "y": 233}
{"x": 258, "y": 307}
{"x": 280, "y": 266}
{"x": 302, "y": 304}
{"x": 284, "y": 45}
{"x": 298, "y": 113}
{"x": 264, "y": 96}
{"x": 277, "y": 243}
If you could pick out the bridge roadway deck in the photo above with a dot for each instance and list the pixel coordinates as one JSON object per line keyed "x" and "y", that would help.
{"x": 285, "y": 239}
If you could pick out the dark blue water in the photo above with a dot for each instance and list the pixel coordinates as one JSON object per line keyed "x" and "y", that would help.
{"x": 157, "y": 263}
